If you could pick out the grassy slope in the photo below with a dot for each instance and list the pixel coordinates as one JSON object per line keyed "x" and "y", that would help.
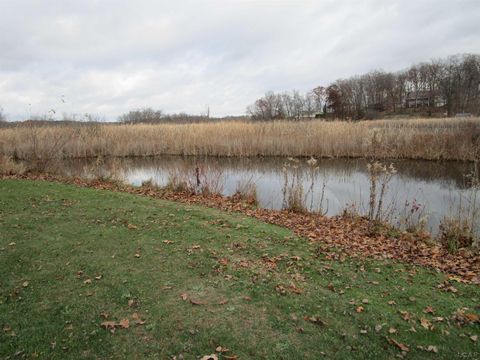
{"x": 59, "y": 230}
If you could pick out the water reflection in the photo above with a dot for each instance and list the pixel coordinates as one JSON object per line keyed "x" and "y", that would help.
{"x": 436, "y": 186}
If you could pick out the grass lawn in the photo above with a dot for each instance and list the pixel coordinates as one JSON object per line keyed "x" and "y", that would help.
{"x": 193, "y": 281}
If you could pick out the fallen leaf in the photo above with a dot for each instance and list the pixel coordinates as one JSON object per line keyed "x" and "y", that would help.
{"x": 363, "y": 331}
{"x": 331, "y": 287}
{"x": 315, "y": 320}
{"x": 243, "y": 264}
{"x": 131, "y": 303}
{"x": 104, "y": 314}
{"x": 392, "y": 302}
{"x": 88, "y": 281}
{"x": 196, "y": 302}
{"x": 108, "y": 324}
{"x": 25, "y": 284}
{"x": 13, "y": 243}
{"x": 472, "y": 317}
{"x": 426, "y": 324}
{"x": 365, "y": 301}
{"x": 378, "y": 328}
{"x": 359, "y": 309}
{"x": 399, "y": 345}
{"x": 223, "y": 261}
{"x": 474, "y": 338}
{"x": 392, "y": 330}
{"x": 167, "y": 242}
{"x": 247, "y": 298}
{"x": 428, "y": 310}
{"x": 210, "y": 357}
{"x": 223, "y": 302}
{"x": 454, "y": 278}
{"x": 280, "y": 289}
{"x": 136, "y": 319}
{"x": 432, "y": 348}
{"x": 445, "y": 286}
{"x": 293, "y": 288}
{"x": 184, "y": 296}
{"x": 405, "y": 315}
{"x": 132, "y": 227}
{"x": 124, "y": 323}
{"x": 221, "y": 349}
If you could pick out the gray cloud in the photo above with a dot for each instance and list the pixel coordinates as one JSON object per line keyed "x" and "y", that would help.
{"x": 108, "y": 57}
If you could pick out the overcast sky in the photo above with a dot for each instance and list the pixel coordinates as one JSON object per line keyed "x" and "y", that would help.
{"x": 109, "y": 56}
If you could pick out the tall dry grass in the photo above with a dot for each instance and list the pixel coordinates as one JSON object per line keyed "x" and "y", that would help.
{"x": 453, "y": 139}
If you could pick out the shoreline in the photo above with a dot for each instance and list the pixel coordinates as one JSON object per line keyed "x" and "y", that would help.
{"x": 337, "y": 236}
{"x": 259, "y": 156}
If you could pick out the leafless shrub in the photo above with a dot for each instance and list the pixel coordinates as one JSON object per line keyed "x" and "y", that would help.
{"x": 247, "y": 190}
{"x": 148, "y": 183}
{"x": 412, "y": 217}
{"x": 351, "y": 211}
{"x": 2, "y": 116}
{"x": 292, "y": 189}
{"x": 47, "y": 146}
{"x": 10, "y": 167}
{"x": 177, "y": 182}
{"x": 461, "y": 229}
{"x": 380, "y": 176}
{"x": 312, "y": 176}
{"x": 455, "y": 234}
{"x": 294, "y": 195}
{"x": 105, "y": 170}
{"x": 198, "y": 180}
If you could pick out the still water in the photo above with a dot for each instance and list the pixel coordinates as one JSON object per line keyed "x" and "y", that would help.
{"x": 434, "y": 189}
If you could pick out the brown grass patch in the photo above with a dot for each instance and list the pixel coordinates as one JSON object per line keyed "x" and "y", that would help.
{"x": 433, "y": 139}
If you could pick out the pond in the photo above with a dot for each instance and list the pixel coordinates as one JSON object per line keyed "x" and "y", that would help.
{"x": 419, "y": 190}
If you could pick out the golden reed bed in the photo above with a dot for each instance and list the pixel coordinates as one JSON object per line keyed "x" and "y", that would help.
{"x": 433, "y": 139}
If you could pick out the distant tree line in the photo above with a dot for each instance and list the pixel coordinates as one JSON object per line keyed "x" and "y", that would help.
{"x": 448, "y": 87}
{"x": 151, "y": 116}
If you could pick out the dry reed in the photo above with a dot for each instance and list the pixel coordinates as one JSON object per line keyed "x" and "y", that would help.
{"x": 433, "y": 139}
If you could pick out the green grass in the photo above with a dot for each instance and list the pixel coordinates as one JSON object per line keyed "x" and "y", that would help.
{"x": 50, "y": 232}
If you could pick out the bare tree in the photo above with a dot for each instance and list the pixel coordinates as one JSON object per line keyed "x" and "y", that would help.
{"x": 450, "y": 85}
{"x": 146, "y": 115}
{"x": 2, "y": 115}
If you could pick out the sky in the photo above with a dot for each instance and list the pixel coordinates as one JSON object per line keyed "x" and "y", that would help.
{"x": 107, "y": 57}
